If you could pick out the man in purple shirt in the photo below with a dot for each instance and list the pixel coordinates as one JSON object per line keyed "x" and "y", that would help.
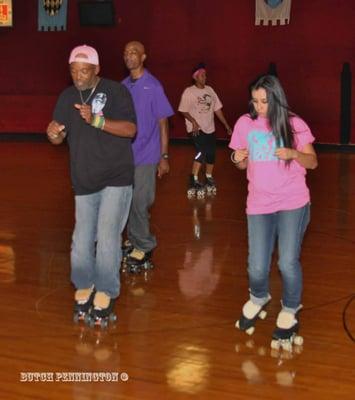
{"x": 150, "y": 150}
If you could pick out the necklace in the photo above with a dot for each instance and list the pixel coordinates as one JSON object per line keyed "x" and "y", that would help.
{"x": 91, "y": 93}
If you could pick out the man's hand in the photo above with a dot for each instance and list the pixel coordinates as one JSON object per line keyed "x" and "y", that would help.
{"x": 229, "y": 130}
{"x": 195, "y": 128}
{"x": 85, "y": 112}
{"x": 163, "y": 167}
{"x": 55, "y": 132}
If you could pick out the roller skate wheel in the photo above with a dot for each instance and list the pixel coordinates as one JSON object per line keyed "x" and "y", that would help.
{"x": 250, "y": 330}
{"x": 190, "y": 194}
{"x": 286, "y": 345}
{"x": 104, "y": 323}
{"x": 298, "y": 340}
{"x": 262, "y": 314}
{"x": 113, "y": 317}
{"x": 275, "y": 344}
{"x": 237, "y": 324}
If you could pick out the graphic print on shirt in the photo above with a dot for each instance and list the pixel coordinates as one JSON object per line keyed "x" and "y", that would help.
{"x": 204, "y": 103}
{"x": 262, "y": 146}
{"x": 98, "y": 103}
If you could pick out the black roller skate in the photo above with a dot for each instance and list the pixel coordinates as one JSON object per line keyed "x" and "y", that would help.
{"x": 102, "y": 311}
{"x": 138, "y": 261}
{"x": 250, "y": 314}
{"x": 83, "y": 303}
{"x": 127, "y": 248}
{"x": 195, "y": 188}
{"x": 210, "y": 185}
{"x": 285, "y": 334}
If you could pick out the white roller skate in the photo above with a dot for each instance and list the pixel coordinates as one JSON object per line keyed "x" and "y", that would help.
{"x": 286, "y": 333}
{"x": 83, "y": 303}
{"x": 102, "y": 311}
{"x": 250, "y": 314}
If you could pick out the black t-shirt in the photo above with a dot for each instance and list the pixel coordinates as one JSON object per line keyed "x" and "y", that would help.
{"x": 97, "y": 159}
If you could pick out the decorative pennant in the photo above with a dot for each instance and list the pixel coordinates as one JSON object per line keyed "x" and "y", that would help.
{"x": 5, "y": 13}
{"x": 272, "y": 11}
{"x": 52, "y": 15}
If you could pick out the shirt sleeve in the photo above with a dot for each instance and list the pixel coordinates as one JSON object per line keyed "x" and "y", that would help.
{"x": 302, "y": 133}
{"x": 184, "y": 102}
{"x": 162, "y": 107}
{"x": 123, "y": 107}
{"x": 218, "y": 104}
{"x": 239, "y": 135}
{"x": 60, "y": 113}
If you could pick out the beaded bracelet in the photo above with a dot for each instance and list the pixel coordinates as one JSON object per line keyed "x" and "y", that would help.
{"x": 232, "y": 158}
{"x": 98, "y": 121}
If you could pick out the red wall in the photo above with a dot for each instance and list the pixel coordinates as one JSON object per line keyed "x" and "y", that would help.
{"x": 309, "y": 54}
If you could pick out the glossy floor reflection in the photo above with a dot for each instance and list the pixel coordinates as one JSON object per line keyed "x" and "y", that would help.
{"x": 175, "y": 336}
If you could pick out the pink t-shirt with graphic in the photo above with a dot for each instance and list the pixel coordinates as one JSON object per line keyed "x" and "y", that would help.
{"x": 273, "y": 185}
{"x": 201, "y": 105}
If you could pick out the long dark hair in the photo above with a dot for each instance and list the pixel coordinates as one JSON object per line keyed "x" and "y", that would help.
{"x": 278, "y": 112}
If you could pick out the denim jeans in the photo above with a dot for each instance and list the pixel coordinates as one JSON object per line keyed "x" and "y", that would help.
{"x": 288, "y": 227}
{"x": 138, "y": 227}
{"x": 96, "y": 245}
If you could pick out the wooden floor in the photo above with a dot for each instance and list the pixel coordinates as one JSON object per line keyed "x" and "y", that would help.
{"x": 175, "y": 338}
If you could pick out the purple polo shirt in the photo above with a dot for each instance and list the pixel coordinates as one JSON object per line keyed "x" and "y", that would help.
{"x": 151, "y": 105}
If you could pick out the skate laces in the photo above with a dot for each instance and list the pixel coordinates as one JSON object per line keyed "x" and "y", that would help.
{"x": 210, "y": 181}
{"x": 137, "y": 254}
{"x": 101, "y": 301}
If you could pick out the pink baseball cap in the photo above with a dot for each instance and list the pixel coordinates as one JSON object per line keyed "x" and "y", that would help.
{"x": 85, "y": 54}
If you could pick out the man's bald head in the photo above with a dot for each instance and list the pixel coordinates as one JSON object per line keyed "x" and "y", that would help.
{"x": 138, "y": 46}
{"x": 134, "y": 57}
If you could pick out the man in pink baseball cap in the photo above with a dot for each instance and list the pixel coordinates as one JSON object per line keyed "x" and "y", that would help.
{"x": 97, "y": 118}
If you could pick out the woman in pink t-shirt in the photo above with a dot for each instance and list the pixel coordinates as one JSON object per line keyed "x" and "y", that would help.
{"x": 275, "y": 147}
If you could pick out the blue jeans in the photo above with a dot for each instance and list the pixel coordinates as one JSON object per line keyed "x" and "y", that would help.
{"x": 138, "y": 227}
{"x": 288, "y": 227}
{"x": 96, "y": 245}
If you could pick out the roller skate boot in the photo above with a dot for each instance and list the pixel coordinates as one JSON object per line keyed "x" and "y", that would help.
{"x": 102, "y": 311}
{"x": 83, "y": 303}
{"x": 127, "y": 247}
{"x": 138, "y": 261}
{"x": 210, "y": 185}
{"x": 195, "y": 189}
{"x": 250, "y": 314}
{"x": 286, "y": 333}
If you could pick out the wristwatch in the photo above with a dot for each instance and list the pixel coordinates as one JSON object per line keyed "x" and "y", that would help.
{"x": 165, "y": 156}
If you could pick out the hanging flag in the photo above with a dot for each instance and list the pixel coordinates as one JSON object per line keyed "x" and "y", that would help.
{"x": 52, "y": 15}
{"x": 5, "y": 12}
{"x": 272, "y": 11}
